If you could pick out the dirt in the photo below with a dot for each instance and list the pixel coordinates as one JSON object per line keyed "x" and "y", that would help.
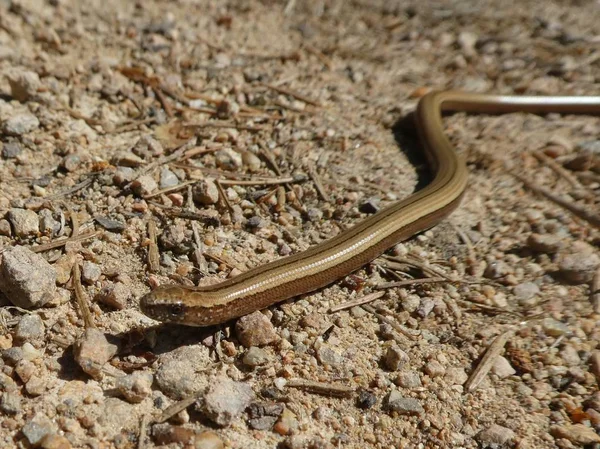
{"x": 103, "y": 105}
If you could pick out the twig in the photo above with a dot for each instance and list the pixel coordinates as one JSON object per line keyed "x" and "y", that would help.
{"x": 153, "y": 255}
{"x": 170, "y": 189}
{"x": 487, "y": 360}
{"x": 218, "y": 124}
{"x": 575, "y": 209}
{"x": 62, "y": 242}
{"x": 595, "y": 291}
{"x": 326, "y": 389}
{"x": 82, "y": 303}
{"x": 409, "y": 282}
{"x": 143, "y": 429}
{"x": 558, "y": 169}
{"x": 317, "y": 181}
{"x": 291, "y": 93}
{"x": 357, "y": 302}
{"x": 413, "y": 335}
{"x": 82, "y": 185}
{"x": 133, "y": 125}
{"x": 223, "y": 195}
{"x": 173, "y": 409}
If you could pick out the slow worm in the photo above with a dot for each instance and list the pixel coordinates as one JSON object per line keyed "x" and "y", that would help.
{"x": 325, "y": 263}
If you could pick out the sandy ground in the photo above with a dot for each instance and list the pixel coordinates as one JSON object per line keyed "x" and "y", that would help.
{"x": 96, "y": 98}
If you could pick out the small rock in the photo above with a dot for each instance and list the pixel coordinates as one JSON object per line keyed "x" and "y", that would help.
{"x": 114, "y": 295}
{"x": 365, "y": 399}
{"x": 208, "y": 440}
{"x": 434, "y": 368}
{"x": 90, "y": 272}
{"x": 526, "y": 290}
{"x": 264, "y": 415}
{"x": 570, "y": 356}
{"x": 109, "y": 224}
{"x": 92, "y": 350}
{"x": 369, "y": 206}
{"x": 411, "y": 303}
{"x": 30, "y": 328}
{"x": 36, "y": 386}
{"x": 554, "y": 328}
{"x": 177, "y": 375}
{"x": 576, "y": 433}
{"x": 5, "y": 228}
{"x": 127, "y": 159}
{"x": 64, "y": 267}
{"x": 395, "y": 358}
{"x": 502, "y": 368}
{"x": 10, "y": 403}
{"x": 408, "y": 379}
{"x": 255, "y": 330}
{"x": 404, "y": 406}
{"x": 20, "y": 124}
{"x": 25, "y": 222}
{"x": 580, "y": 265}
{"x": 53, "y": 441}
{"x": 545, "y": 243}
{"x": 251, "y": 161}
{"x": 287, "y": 423}
{"x": 37, "y": 428}
{"x": 228, "y": 159}
{"x": 225, "y": 400}
{"x": 426, "y": 305}
{"x": 135, "y": 387}
{"x": 48, "y": 225}
{"x": 315, "y": 321}
{"x": 466, "y": 41}
{"x": 123, "y": 175}
{"x": 205, "y": 192}
{"x": 71, "y": 162}
{"x": 495, "y": 436}
{"x": 11, "y": 150}
{"x": 255, "y": 357}
{"x": 168, "y": 179}
{"x": 456, "y": 376}
{"x": 144, "y": 185}
{"x": 147, "y": 147}
{"x": 326, "y": 355}
{"x": 26, "y": 278}
{"x": 24, "y": 85}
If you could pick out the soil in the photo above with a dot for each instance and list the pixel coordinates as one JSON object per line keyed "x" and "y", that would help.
{"x": 117, "y": 114}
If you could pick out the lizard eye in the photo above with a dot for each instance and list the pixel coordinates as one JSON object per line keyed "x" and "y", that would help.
{"x": 176, "y": 310}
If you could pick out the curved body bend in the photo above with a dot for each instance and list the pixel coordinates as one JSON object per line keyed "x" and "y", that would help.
{"x": 327, "y": 262}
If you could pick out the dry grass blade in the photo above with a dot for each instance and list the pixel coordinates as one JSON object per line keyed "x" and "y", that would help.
{"x": 357, "y": 302}
{"x": 325, "y": 389}
{"x": 63, "y": 242}
{"x": 489, "y": 358}
{"x": 153, "y": 254}
{"x": 80, "y": 296}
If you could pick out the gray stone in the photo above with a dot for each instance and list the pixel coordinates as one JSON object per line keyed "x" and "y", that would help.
{"x": 90, "y": 272}
{"x": 37, "y": 428}
{"x": 177, "y": 376}
{"x": 30, "y": 328}
{"x": 256, "y": 357}
{"x": 495, "y": 436}
{"x": 168, "y": 179}
{"x": 395, "y": 358}
{"x": 225, "y": 400}
{"x": 404, "y": 406}
{"x": 92, "y": 350}
{"x": 255, "y": 330}
{"x": 20, "y": 124}
{"x": 135, "y": 387}
{"x": 26, "y": 278}
{"x": 25, "y": 222}
{"x": 205, "y": 192}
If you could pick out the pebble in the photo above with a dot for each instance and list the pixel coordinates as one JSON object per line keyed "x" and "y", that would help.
{"x": 316, "y": 322}
{"x": 11, "y": 150}
{"x": 369, "y": 206}
{"x": 71, "y": 162}
{"x": 252, "y": 161}
{"x": 26, "y": 278}
{"x": 48, "y": 225}
{"x": 10, "y": 403}
{"x": 255, "y": 330}
{"x": 225, "y": 400}
{"x": 495, "y": 436}
{"x": 395, "y": 358}
{"x": 127, "y": 159}
{"x": 5, "y": 228}
{"x": 114, "y": 295}
{"x": 208, "y": 440}
{"x": 24, "y": 84}
{"x": 287, "y": 423}
{"x": 90, "y": 272}
{"x": 24, "y": 222}
{"x": 502, "y": 368}
{"x": 135, "y": 387}
{"x": 466, "y": 41}
{"x": 426, "y": 305}
{"x": 109, "y": 224}
{"x": 411, "y": 303}
{"x": 168, "y": 179}
{"x": 408, "y": 379}
{"x": 53, "y": 441}
{"x": 92, "y": 350}
{"x": 228, "y": 159}
{"x": 576, "y": 433}
{"x": 255, "y": 357}
{"x": 595, "y": 364}
{"x": 37, "y": 428}
{"x": 29, "y": 329}
{"x": 434, "y": 368}
{"x": 20, "y": 124}
{"x": 177, "y": 376}
{"x": 147, "y": 147}
{"x": 554, "y": 328}
{"x": 328, "y": 356}
{"x": 570, "y": 356}
{"x": 264, "y": 415}
{"x": 404, "y": 406}
{"x": 123, "y": 175}
{"x": 456, "y": 376}
{"x": 205, "y": 192}
{"x": 526, "y": 290}
{"x": 144, "y": 185}
{"x": 579, "y": 266}
{"x": 365, "y": 399}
